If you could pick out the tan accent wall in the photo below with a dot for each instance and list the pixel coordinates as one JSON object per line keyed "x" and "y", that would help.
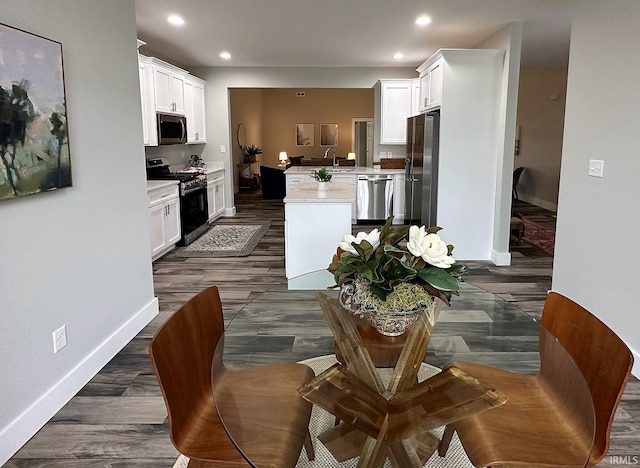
{"x": 541, "y": 104}
{"x": 280, "y": 110}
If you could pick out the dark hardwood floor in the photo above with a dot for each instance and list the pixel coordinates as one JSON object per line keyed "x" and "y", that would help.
{"x": 118, "y": 419}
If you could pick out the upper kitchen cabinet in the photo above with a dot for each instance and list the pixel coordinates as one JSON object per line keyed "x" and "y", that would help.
{"x": 431, "y": 83}
{"x": 149, "y": 129}
{"x": 168, "y": 89}
{"x": 168, "y": 84}
{"x": 194, "y": 109}
{"x": 395, "y": 99}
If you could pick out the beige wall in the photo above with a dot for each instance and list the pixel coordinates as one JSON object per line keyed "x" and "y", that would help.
{"x": 281, "y": 110}
{"x": 541, "y": 103}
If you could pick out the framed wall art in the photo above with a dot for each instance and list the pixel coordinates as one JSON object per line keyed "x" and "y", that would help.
{"x": 304, "y": 135}
{"x": 328, "y": 134}
{"x": 34, "y": 141}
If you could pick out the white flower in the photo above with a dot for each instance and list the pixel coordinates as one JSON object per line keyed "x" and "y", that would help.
{"x": 430, "y": 247}
{"x": 372, "y": 238}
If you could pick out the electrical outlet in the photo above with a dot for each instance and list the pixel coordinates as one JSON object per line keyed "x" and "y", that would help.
{"x": 223, "y": 149}
{"x": 59, "y": 338}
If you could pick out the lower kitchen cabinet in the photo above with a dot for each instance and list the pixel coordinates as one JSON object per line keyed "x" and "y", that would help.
{"x": 215, "y": 194}
{"x": 164, "y": 219}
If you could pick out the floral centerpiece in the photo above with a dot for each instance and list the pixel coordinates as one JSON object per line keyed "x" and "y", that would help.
{"x": 391, "y": 276}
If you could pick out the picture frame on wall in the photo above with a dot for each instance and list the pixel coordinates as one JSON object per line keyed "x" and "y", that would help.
{"x": 304, "y": 134}
{"x": 34, "y": 139}
{"x": 328, "y": 134}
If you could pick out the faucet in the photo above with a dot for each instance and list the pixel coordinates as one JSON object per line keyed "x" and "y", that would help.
{"x": 326, "y": 153}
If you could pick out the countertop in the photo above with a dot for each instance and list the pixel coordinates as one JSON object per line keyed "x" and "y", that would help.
{"x": 307, "y": 192}
{"x": 356, "y": 170}
{"x": 158, "y": 184}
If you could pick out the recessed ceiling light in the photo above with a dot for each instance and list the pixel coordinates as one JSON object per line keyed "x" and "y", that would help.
{"x": 225, "y": 55}
{"x": 175, "y": 20}
{"x": 398, "y": 55}
{"x": 423, "y": 20}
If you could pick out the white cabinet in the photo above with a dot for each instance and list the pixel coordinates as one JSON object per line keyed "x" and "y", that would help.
{"x": 415, "y": 96}
{"x": 398, "y": 199}
{"x": 350, "y": 179}
{"x": 149, "y": 128}
{"x": 164, "y": 219}
{"x": 194, "y": 110}
{"x": 395, "y": 107}
{"x": 168, "y": 84}
{"x": 215, "y": 194}
{"x": 431, "y": 74}
{"x": 295, "y": 179}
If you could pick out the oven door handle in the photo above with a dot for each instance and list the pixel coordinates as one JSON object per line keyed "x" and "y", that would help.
{"x": 184, "y": 129}
{"x": 194, "y": 189}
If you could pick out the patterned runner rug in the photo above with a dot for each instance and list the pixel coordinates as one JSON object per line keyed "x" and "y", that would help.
{"x": 321, "y": 421}
{"x": 538, "y": 236}
{"x": 226, "y": 240}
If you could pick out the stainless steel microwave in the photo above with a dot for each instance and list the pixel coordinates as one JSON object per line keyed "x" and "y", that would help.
{"x": 172, "y": 129}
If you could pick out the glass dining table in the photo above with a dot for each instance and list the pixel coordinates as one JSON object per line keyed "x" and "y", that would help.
{"x": 355, "y": 425}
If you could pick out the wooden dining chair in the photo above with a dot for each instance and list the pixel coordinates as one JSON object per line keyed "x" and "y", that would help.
{"x": 548, "y": 419}
{"x": 183, "y": 354}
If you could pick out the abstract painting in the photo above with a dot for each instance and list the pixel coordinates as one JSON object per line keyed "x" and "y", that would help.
{"x": 34, "y": 142}
{"x": 328, "y": 134}
{"x": 304, "y": 135}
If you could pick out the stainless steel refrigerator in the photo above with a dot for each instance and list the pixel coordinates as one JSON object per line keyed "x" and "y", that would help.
{"x": 421, "y": 176}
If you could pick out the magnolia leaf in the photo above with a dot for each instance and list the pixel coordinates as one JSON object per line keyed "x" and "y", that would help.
{"x": 449, "y": 249}
{"x": 457, "y": 270}
{"x": 364, "y": 248}
{"x": 444, "y": 296}
{"x": 335, "y": 264}
{"x": 433, "y": 229}
{"x": 439, "y": 279}
{"x": 384, "y": 232}
{"x": 378, "y": 291}
{"x": 399, "y": 272}
{"x": 396, "y": 234}
{"x": 369, "y": 271}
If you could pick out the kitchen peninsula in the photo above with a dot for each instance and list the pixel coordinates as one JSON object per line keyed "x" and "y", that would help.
{"x": 349, "y": 175}
{"x": 314, "y": 224}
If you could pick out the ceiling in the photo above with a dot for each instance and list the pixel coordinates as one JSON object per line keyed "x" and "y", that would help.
{"x": 344, "y": 33}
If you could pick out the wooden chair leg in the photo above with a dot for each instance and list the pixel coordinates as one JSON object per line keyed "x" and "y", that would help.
{"x": 446, "y": 439}
{"x": 308, "y": 447}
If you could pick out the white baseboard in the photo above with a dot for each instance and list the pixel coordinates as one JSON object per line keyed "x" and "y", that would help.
{"x": 539, "y": 202}
{"x": 18, "y": 432}
{"x": 500, "y": 258}
{"x": 230, "y": 212}
{"x": 636, "y": 364}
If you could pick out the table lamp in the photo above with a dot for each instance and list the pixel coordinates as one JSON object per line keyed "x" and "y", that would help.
{"x": 283, "y": 157}
{"x": 351, "y": 156}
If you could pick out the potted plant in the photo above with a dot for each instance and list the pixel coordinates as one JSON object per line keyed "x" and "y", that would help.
{"x": 250, "y": 153}
{"x": 391, "y": 276}
{"x": 322, "y": 176}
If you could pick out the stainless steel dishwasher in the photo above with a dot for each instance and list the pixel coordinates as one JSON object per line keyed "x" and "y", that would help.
{"x": 374, "y": 198}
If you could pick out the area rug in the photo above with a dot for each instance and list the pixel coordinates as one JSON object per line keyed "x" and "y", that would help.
{"x": 540, "y": 237}
{"x": 226, "y": 240}
{"x": 321, "y": 420}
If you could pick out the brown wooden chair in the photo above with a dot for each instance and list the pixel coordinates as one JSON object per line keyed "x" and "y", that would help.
{"x": 183, "y": 352}
{"x": 548, "y": 419}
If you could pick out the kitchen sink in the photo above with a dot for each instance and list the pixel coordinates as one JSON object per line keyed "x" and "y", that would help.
{"x": 336, "y": 169}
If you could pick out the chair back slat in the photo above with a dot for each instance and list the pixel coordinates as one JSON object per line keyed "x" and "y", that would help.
{"x": 603, "y": 358}
{"x": 182, "y": 354}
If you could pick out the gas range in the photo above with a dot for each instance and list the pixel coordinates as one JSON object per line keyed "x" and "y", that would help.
{"x": 190, "y": 178}
{"x": 194, "y": 211}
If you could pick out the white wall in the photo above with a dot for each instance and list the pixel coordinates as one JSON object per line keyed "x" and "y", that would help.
{"x": 220, "y": 79}
{"x": 79, "y": 256}
{"x": 541, "y": 102}
{"x": 510, "y": 40}
{"x": 597, "y": 255}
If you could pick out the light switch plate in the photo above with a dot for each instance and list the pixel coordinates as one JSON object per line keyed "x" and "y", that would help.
{"x": 596, "y": 168}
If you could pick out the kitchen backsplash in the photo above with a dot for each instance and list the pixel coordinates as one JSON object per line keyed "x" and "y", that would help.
{"x": 177, "y": 156}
